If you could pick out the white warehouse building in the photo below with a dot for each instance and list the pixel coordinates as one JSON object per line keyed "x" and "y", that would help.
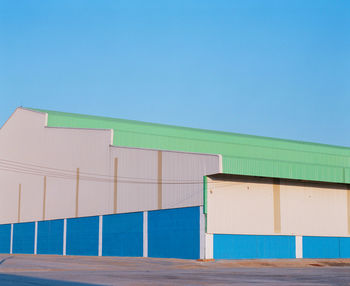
{"x": 75, "y": 184}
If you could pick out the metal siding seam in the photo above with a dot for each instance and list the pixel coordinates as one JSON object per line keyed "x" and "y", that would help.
{"x": 77, "y": 193}
{"x": 44, "y": 198}
{"x": 160, "y": 179}
{"x": 19, "y": 202}
{"x": 11, "y": 241}
{"x": 35, "y": 237}
{"x": 100, "y": 227}
{"x": 64, "y": 236}
{"x": 201, "y": 233}
{"x": 298, "y": 246}
{"x": 145, "y": 234}
{"x": 276, "y": 206}
{"x": 115, "y": 194}
{"x": 348, "y": 206}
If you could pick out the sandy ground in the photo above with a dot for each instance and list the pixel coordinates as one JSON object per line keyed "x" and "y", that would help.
{"x": 63, "y": 271}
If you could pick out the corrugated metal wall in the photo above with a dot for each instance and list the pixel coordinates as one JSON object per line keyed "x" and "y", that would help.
{"x": 50, "y": 237}
{"x": 242, "y": 154}
{"x": 123, "y": 235}
{"x": 136, "y": 179}
{"x": 247, "y": 205}
{"x": 53, "y": 173}
{"x": 173, "y": 233}
{"x": 228, "y": 246}
{"x": 181, "y": 178}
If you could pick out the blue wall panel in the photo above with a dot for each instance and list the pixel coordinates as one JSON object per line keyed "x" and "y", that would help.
{"x": 320, "y": 247}
{"x": 23, "y": 237}
{"x": 344, "y": 247}
{"x": 326, "y": 247}
{"x": 123, "y": 234}
{"x": 174, "y": 233}
{"x": 5, "y": 238}
{"x": 231, "y": 246}
{"x": 50, "y": 237}
{"x": 82, "y": 236}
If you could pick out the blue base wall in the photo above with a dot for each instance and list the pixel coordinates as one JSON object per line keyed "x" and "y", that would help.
{"x": 50, "y": 237}
{"x": 326, "y": 247}
{"x": 82, "y": 236}
{"x": 23, "y": 237}
{"x": 174, "y": 233}
{"x": 5, "y": 238}
{"x": 123, "y": 235}
{"x": 230, "y": 246}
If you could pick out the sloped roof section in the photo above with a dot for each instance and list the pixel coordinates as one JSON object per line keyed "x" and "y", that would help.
{"x": 241, "y": 154}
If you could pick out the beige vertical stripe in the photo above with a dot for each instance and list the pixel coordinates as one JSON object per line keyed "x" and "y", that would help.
{"x": 115, "y": 196}
{"x": 19, "y": 202}
{"x": 160, "y": 179}
{"x": 348, "y": 207}
{"x": 77, "y": 194}
{"x": 276, "y": 206}
{"x": 44, "y": 199}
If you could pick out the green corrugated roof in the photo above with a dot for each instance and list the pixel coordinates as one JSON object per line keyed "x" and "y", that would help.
{"x": 242, "y": 154}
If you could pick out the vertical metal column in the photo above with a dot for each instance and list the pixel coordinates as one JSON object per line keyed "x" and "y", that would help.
{"x": 100, "y": 229}
{"x": 64, "y": 236}
{"x": 145, "y": 234}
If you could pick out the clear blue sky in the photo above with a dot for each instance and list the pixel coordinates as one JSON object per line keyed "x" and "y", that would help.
{"x": 271, "y": 68}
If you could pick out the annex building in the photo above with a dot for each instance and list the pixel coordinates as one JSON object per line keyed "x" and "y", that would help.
{"x": 85, "y": 185}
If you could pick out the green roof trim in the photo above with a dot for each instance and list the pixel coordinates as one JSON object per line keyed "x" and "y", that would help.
{"x": 242, "y": 154}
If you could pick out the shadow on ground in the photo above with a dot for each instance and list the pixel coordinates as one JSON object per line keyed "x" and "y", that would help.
{"x": 17, "y": 280}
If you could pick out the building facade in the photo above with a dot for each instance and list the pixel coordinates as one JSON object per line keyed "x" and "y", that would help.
{"x": 85, "y": 185}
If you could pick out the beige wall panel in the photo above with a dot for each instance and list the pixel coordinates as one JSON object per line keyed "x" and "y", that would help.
{"x": 31, "y": 198}
{"x": 240, "y": 207}
{"x": 137, "y": 179}
{"x": 8, "y": 197}
{"x": 56, "y": 153}
{"x": 60, "y": 198}
{"x": 308, "y": 209}
{"x": 183, "y": 177}
{"x": 94, "y": 198}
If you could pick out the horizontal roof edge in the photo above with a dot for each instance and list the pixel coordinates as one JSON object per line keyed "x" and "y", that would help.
{"x": 83, "y": 116}
{"x": 271, "y": 177}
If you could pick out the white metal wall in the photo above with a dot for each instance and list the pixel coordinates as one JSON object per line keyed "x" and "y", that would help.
{"x": 183, "y": 177}
{"x": 249, "y": 206}
{"x": 30, "y": 151}
{"x": 136, "y": 180}
{"x": 240, "y": 207}
{"x": 314, "y": 209}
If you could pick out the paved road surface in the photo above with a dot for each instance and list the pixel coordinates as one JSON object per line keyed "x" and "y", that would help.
{"x": 78, "y": 271}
